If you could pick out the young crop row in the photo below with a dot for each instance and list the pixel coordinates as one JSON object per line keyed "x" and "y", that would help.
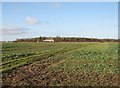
{"x": 102, "y": 58}
{"x": 17, "y": 55}
{"x": 16, "y": 59}
{"x": 94, "y": 56}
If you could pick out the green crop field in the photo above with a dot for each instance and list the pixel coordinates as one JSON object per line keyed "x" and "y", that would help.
{"x": 59, "y": 63}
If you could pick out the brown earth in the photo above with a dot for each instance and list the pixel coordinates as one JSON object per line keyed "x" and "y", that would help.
{"x": 47, "y": 73}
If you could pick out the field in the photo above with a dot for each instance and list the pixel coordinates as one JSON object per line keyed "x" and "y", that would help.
{"x": 60, "y": 64}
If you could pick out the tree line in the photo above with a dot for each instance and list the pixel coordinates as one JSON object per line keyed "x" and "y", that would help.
{"x": 65, "y": 39}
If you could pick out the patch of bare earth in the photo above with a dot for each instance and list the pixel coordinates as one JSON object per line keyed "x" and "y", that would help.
{"x": 43, "y": 73}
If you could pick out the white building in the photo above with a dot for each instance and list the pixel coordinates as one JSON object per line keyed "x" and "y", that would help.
{"x": 48, "y": 40}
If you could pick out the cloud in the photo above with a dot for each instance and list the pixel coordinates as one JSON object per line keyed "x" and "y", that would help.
{"x": 32, "y": 21}
{"x": 5, "y": 30}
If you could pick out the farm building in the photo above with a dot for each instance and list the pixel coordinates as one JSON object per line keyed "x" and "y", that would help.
{"x": 48, "y": 40}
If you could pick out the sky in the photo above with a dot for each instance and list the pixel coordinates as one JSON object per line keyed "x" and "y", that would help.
{"x": 64, "y": 19}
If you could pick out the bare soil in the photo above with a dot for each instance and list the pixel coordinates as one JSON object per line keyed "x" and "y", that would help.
{"x": 46, "y": 73}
